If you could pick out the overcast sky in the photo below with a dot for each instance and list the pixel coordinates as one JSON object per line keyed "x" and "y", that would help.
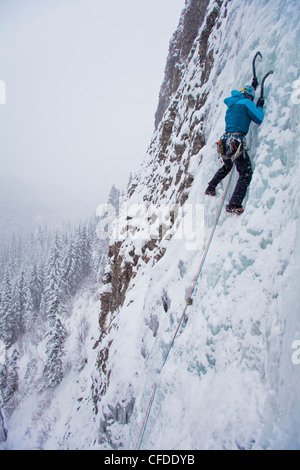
{"x": 82, "y": 82}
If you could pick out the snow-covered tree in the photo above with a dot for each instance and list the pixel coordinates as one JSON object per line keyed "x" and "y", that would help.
{"x": 84, "y": 253}
{"x": 53, "y": 370}
{"x": 70, "y": 276}
{"x": 20, "y": 301}
{"x": 113, "y": 198}
{"x": 36, "y": 287}
{"x": 7, "y": 318}
{"x": 53, "y": 267}
{"x": 11, "y": 375}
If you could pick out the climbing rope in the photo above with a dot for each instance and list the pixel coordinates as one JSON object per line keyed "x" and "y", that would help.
{"x": 145, "y": 422}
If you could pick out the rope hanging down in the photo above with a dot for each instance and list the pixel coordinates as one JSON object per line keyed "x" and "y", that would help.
{"x": 145, "y": 422}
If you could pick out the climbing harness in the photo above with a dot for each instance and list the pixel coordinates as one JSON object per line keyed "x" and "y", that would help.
{"x": 231, "y": 145}
{"x": 148, "y": 412}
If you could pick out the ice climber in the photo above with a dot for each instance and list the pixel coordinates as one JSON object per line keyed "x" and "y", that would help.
{"x": 239, "y": 115}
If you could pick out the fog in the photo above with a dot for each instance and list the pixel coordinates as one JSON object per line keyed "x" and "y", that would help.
{"x": 81, "y": 81}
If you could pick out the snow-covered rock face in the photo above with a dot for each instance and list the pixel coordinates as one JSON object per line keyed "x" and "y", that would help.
{"x": 229, "y": 381}
{"x": 167, "y": 173}
{"x": 180, "y": 47}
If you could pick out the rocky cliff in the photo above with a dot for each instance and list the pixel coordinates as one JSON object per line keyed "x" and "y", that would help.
{"x": 221, "y": 388}
{"x": 167, "y": 174}
{"x": 181, "y": 46}
{"x": 178, "y": 139}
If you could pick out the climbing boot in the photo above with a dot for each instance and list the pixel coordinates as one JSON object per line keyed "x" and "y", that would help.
{"x": 231, "y": 209}
{"x": 210, "y": 191}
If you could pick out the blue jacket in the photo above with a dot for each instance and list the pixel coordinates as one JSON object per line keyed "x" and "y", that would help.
{"x": 241, "y": 111}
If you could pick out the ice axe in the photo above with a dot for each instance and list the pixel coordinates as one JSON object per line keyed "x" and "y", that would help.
{"x": 255, "y": 81}
{"x": 263, "y": 82}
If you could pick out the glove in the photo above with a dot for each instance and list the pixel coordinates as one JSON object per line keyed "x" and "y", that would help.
{"x": 254, "y": 83}
{"x": 260, "y": 102}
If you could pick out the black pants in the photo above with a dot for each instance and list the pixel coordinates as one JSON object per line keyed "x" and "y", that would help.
{"x": 243, "y": 166}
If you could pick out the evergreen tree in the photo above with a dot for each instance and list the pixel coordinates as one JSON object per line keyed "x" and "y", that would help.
{"x": 55, "y": 307}
{"x": 8, "y": 329}
{"x": 35, "y": 287}
{"x": 70, "y": 277}
{"x": 113, "y": 198}
{"x": 84, "y": 253}
{"x": 13, "y": 254}
{"x": 30, "y": 313}
{"x": 53, "y": 370}
{"x": 43, "y": 307}
{"x": 11, "y": 377}
{"x": 20, "y": 302}
{"x": 53, "y": 269}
